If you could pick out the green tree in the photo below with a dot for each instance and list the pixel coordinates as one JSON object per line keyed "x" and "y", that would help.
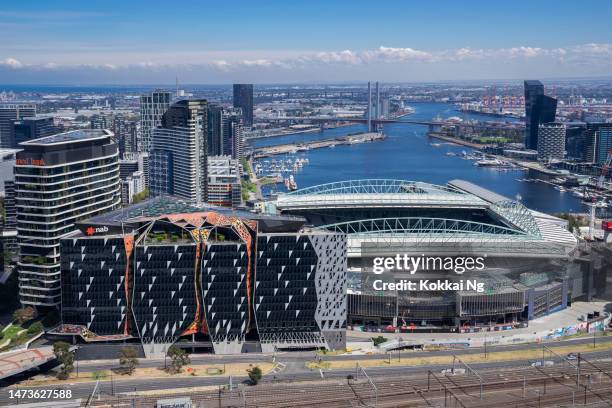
{"x": 378, "y": 340}
{"x": 143, "y": 195}
{"x": 24, "y": 314}
{"x": 179, "y": 358}
{"x": 255, "y": 374}
{"x": 128, "y": 359}
{"x": 35, "y": 328}
{"x": 62, "y": 353}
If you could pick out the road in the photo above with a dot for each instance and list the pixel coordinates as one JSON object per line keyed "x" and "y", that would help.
{"x": 295, "y": 369}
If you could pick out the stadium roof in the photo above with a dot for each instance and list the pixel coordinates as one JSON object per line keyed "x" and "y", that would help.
{"x": 523, "y": 233}
{"x": 377, "y": 193}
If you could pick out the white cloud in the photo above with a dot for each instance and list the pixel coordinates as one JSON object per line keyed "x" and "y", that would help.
{"x": 521, "y": 60}
{"x": 11, "y": 63}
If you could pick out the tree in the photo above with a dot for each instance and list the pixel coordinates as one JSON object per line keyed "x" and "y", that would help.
{"x": 378, "y": 340}
{"x": 128, "y": 359}
{"x": 24, "y": 314}
{"x": 179, "y": 358}
{"x": 254, "y": 374}
{"x": 35, "y": 328}
{"x": 62, "y": 353}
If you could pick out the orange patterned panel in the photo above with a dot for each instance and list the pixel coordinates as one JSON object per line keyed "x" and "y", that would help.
{"x": 128, "y": 242}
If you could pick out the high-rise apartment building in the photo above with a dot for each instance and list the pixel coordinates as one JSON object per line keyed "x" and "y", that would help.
{"x": 551, "y": 141}
{"x": 179, "y": 152}
{"x": 233, "y": 138}
{"x": 152, "y": 108}
{"x": 59, "y": 180}
{"x": 539, "y": 109}
{"x": 243, "y": 99}
{"x": 9, "y": 113}
{"x": 125, "y": 131}
{"x": 101, "y": 121}
{"x": 225, "y": 132}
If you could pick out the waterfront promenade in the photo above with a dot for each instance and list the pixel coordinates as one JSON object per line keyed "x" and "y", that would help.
{"x": 317, "y": 144}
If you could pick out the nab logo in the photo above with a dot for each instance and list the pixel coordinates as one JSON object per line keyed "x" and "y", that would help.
{"x": 91, "y": 230}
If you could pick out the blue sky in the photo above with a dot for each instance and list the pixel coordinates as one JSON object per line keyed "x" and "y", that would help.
{"x": 123, "y": 42}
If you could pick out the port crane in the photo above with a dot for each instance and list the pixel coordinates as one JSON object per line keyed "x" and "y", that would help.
{"x": 599, "y": 187}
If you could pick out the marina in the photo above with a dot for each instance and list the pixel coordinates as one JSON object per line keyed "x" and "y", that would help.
{"x": 407, "y": 153}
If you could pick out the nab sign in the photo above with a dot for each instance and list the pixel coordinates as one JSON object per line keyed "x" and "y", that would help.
{"x": 91, "y": 230}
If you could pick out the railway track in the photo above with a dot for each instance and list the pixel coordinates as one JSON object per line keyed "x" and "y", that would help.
{"x": 518, "y": 387}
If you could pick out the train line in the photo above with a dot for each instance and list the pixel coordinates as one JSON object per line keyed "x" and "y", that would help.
{"x": 513, "y": 387}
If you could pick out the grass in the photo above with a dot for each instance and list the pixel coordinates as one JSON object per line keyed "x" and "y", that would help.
{"x": 535, "y": 354}
{"x": 191, "y": 370}
{"x": 12, "y": 331}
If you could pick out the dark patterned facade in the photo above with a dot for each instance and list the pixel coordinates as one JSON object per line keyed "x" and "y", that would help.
{"x": 208, "y": 275}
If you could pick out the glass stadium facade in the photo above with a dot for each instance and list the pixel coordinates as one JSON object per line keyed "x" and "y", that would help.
{"x": 529, "y": 266}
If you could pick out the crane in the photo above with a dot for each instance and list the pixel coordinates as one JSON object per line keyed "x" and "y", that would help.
{"x": 600, "y": 185}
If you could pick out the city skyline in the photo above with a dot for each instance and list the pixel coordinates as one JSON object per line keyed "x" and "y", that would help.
{"x": 115, "y": 43}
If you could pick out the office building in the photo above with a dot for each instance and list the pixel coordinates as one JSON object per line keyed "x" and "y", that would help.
{"x": 598, "y": 142}
{"x": 224, "y": 188}
{"x": 179, "y": 152}
{"x": 152, "y": 108}
{"x": 243, "y": 99}
{"x": 9, "y": 113}
{"x": 603, "y": 143}
{"x": 59, "y": 180}
{"x": 128, "y": 165}
{"x": 576, "y": 141}
{"x": 215, "y": 130}
{"x": 539, "y": 109}
{"x": 32, "y": 128}
{"x": 165, "y": 269}
{"x": 551, "y": 141}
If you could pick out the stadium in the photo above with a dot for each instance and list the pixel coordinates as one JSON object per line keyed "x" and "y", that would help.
{"x": 530, "y": 270}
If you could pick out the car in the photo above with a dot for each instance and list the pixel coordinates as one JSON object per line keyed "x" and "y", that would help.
{"x": 571, "y": 356}
{"x": 546, "y": 363}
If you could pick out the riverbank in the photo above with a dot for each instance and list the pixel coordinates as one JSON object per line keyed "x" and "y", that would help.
{"x": 318, "y": 144}
{"x": 455, "y": 140}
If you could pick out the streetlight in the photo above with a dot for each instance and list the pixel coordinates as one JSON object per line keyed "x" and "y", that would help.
{"x": 399, "y": 349}
{"x": 485, "y": 345}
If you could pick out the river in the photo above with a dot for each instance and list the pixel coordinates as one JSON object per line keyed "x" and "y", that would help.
{"x": 407, "y": 153}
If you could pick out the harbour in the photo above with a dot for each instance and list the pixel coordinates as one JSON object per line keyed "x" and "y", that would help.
{"x": 408, "y": 153}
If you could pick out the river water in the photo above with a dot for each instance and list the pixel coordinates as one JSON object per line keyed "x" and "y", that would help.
{"x": 407, "y": 153}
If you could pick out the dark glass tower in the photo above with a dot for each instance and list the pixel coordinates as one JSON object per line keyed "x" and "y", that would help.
{"x": 539, "y": 109}
{"x": 243, "y": 99}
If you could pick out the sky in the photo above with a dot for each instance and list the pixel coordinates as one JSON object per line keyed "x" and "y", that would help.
{"x": 73, "y": 42}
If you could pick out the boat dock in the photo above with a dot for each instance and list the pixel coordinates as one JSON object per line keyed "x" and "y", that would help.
{"x": 316, "y": 144}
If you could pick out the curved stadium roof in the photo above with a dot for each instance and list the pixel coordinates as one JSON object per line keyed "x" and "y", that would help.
{"x": 377, "y": 193}
{"x": 522, "y": 235}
